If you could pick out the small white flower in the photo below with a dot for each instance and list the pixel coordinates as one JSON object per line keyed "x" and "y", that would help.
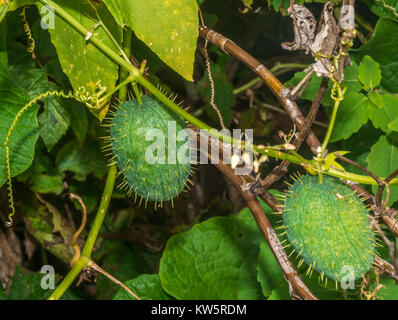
{"x": 235, "y": 159}
{"x": 246, "y": 158}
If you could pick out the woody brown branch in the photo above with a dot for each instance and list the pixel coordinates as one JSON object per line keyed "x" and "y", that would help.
{"x": 281, "y": 169}
{"x": 284, "y": 96}
{"x": 279, "y": 90}
{"x": 297, "y": 288}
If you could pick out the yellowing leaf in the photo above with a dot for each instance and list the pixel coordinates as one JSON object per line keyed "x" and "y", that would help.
{"x": 168, "y": 27}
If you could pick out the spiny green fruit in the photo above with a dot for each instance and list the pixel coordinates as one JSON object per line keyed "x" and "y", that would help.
{"x": 328, "y": 226}
{"x": 154, "y": 180}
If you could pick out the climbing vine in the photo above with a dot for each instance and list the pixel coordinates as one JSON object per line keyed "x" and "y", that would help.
{"x": 93, "y": 66}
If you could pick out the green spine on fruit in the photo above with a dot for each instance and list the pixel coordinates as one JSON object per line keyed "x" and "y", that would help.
{"x": 158, "y": 181}
{"x": 328, "y": 226}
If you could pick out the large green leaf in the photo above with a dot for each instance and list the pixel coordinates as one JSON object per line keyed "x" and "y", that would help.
{"x": 3, "y": 47}
{"x": 54, "y": 122}
{"x": 383, "y": 160}
{"x": 81, "y": 61}
{"x": 25, "y": 285}
{"x": 216, "y": 259}
{"x": 383, "y": 8}
{"x": 42, "y": 176}
{"x": 169, "y": 28}
{"x": 79, "y": 119}
{"x": 146, "y": 287}
{"x": 269, "y": 273}
{"x": 369, "y": 73}
{"x": 82, "y": 160}
{"x": 26, "y": 132}
{"x": 382, "y": 48}
{"x": 393, "y": 125}
{"x": 351, "y": 115}
{"x": 384, "y": 110}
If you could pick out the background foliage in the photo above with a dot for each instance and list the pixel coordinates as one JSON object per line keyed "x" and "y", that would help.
{"x": 208, "y": 246}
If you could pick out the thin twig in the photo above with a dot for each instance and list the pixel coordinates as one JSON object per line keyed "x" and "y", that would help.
{"x": 386, "y": 268}
{"x": 281, "y": 169}
{"x": 357, "y": 165}
{"x": 390, "y": 245}
{"x": 109, "y": 276}
{"x": 301, "y": 83}
{"x": 279, "y": 110}
{"x": 77, "y": 233}
{"x": 279, "y": 90}
{"x": 380, "y": 190}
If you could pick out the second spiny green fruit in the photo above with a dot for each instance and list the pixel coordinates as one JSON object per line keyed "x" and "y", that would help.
{"x": 140, "y": 140}
{"x": 328, "y": 226}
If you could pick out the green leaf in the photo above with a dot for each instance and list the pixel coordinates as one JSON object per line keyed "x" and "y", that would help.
{"x": 25, "y": 134}
{"x": 369, "y": 73}
{"x": 146, "y": 287}
{"x": 3, "y": 295}
{"x": 383, "y": 110}
{"x": 43, "y": 183}
{"x": 42, "y": 176}
{"x": 390, "y": 290}
{"x": 351, "y": 115}
{"x": 393, "y": 125}
{"x": 90, "y": 192}
{"x": 33, "y": 80}
{"x": 15, "y": 4}
{"x": 25, "y": 285}
{"x": 382, "y": 161}
{"x": 49, "y": 228}
{"x": 383, "y": 8}
{"x": 79, "y": 119}
{"x": 53, "y": 122}
{"x": 382, "y": 48}
{"x": 121, "y": 262}
{"x": 216, "y": 259}
{"x": 269, "y": 273}
{"x": 82, "y": 160}
{"x": 81, "y": 61}
{"x": 281, "y": 293}
{"x": 350, "y": 80}
{"x": 169, "y": 28}
{"x": 3, "y": 47}
{"x": 3, "y": 10}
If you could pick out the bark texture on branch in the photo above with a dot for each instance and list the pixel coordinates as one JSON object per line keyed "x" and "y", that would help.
{"x": 280, "y": 91}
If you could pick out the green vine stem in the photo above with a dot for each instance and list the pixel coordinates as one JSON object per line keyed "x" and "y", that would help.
{"x": 84, "y": 260}
{"x": 127, "y": 40}
{"x": 80, "y": 264}
{"x": 340, "y": 96}
{"x": 103, "y": 208}
{"x": 137, "y": 93}
{"x": 135, "y": 73}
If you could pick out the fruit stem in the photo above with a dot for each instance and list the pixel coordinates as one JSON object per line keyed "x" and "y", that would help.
{"x": 338, "y": 99}
{"x": 127, "y": 40}
{"x": 137, "y": 93}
